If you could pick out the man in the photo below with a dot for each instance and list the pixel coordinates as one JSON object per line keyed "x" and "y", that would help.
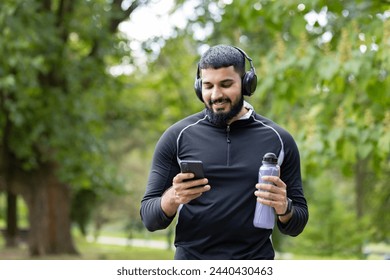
{"x": 215, "y": 214}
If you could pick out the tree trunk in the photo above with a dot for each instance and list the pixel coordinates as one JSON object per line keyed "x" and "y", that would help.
{"x": 11, "y": 233}
{"x": 48, "y": 202}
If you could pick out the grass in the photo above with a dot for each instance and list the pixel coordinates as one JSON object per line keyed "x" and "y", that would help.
{"x": 95, "y": 251}
{"x": 91, "y": 251}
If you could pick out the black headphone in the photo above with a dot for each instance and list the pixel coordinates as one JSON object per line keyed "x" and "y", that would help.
{"x": 249, "y": 80}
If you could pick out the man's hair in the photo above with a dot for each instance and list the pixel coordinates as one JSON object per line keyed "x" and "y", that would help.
{"x": 223, "y": 56}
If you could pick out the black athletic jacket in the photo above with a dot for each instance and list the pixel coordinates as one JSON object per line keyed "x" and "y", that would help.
{"x": 219, "y": 224}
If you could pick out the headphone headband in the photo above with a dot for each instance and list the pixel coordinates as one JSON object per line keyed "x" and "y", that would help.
{"x": 247, "y": 57}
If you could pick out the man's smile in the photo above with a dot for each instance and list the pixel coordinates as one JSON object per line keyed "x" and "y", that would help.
{"x": 219, "y": 104}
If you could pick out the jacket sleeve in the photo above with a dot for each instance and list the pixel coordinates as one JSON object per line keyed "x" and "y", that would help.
{"x": 152, "y": 215}
{"x": 164, "y": 168}
{"x": 291, "y": 175}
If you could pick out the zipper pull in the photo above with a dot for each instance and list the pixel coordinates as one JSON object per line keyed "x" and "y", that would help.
{"x": 228, "y": 134}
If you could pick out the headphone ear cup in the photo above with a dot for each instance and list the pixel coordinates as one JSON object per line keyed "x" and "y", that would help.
{"x": 249, "y": 83}
{"x": 198, "y": 88}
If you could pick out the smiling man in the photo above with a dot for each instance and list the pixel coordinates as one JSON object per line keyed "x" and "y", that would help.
{"x": 215, "y": 213}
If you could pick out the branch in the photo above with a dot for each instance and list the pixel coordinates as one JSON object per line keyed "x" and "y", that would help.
{"x": 120, "y": 15}
{"x": 46, "y": 5}
{"x": 65, "y": 8}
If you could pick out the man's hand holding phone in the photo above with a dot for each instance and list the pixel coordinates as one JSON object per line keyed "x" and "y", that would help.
{"x": 186, "y": 186}
{"x": 193, "y": 177}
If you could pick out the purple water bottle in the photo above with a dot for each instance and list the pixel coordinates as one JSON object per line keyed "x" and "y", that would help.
{"x": 264, "y": 214}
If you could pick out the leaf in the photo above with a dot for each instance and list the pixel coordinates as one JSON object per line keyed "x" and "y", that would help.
{"x": 348, "y": 152}
{"x": 329, "y": 67}
{"x": 384, "y": 144}
{"x": 365, "y": 150}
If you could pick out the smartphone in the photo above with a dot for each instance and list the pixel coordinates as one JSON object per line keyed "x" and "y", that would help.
{"x": 192, "y": 166}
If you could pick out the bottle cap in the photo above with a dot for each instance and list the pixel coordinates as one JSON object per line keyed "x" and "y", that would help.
{"x": 270, "y": 158}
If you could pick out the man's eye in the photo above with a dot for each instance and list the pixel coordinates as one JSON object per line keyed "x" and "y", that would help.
{"x": 226, "y": 85}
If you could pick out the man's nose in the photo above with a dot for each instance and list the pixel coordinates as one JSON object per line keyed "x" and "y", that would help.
{"x": 216, "y": 93}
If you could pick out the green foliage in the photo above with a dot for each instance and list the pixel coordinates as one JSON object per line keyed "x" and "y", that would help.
{"x": 169, "y": 93}
{"x": 55, "y": 92}
{"x": 333, "y": 228}
{"x": 58, "y": 101}
{"x": 81, "y": 211}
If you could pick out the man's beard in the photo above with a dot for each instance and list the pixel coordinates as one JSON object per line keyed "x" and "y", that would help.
{"x": 222, "y": 119}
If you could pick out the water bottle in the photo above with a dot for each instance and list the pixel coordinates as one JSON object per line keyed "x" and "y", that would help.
{"x": 264, "y": 214}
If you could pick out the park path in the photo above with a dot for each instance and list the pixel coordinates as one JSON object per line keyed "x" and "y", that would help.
{"x": 121, "y": 241}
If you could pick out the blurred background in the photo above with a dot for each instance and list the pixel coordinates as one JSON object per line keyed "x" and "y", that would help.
{"x": 87, "y": 88}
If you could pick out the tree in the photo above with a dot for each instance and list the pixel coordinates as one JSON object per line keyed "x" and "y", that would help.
{"x": 57, "y": 100}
